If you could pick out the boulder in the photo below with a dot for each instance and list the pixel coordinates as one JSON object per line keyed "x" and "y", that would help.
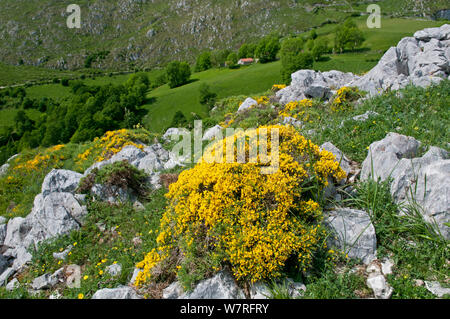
{"x": 352, "y": 232}
{"x": 419, "y": 179}
{"x": 221, "y": 286}
{"x": 174, "y": 291}
{"x": 4, "y": 263}
{"x": 4, "y": 169}
{"x": 247, "y": 104}
{"x": 292, "y": 121}
{"x": 211, "y": 133}
{"x": 60, "y": 180}
{"x": 121, "y": 292}
{"x": 436, "y": 289}
{"x": 260, "y": 290}
{"x": 312, "y": 84}
{"x": 114, "y": 270}
{"x": 48, "y": 281}
{"x": 5, "y": 275}
{"x": 13, "y": 284}
{"x": 63, "y": 254}
{"x": 2, "y": 233}
{"x": 167, "y": 137}
{"x": 379, "y": 286}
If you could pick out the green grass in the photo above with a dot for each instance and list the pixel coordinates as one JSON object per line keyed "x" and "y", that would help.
{"x": 95, "y": 249}
{"x": 224, "y": 82}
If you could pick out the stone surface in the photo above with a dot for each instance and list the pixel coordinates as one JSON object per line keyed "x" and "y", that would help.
{"x": 436, "y": 289}
{"x": 379, "y": 286}
{"x": 247, "y": 104}
{"x": 352, "y": 232}
{"x": 13, "y": 284}
{"x": 211, "y": 133}
{"x": 4, "y": 263}
{"x": 423, "y": 180}
{"x": 221, "y": 286}
{"x": 47, "y": 281}
{"x": 63, "y": 254}
{"x": 5, "y": 275}
{"x": 114, "y": 270}
{"x": 2, "y": 233}
{"x": 259, "y": 290}
{"x": 174, "y": 291}
{"x": 292, "y": 121}
{"x": 60, "y": 180}
{"x": 121, "y": 292}
{"x": 312, "y": 84}
{"x": 167, "y": 137}
{"x": 386, "y": 266}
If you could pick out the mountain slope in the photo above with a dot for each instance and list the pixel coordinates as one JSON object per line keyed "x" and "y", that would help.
{"x": 150, "y": 32}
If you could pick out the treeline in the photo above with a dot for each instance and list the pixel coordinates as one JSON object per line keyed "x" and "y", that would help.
{"x": 88, "y": 113}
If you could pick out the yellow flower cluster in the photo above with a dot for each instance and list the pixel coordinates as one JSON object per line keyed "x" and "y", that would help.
{"x": 263, "y": 100}
{"x": 297, "y": 109}
{"x": 343, "y": 96}
{"x": 42, "y": 160}
{"x": 277, "y": 87}
{"x": 109, "y": 144}
{"x": 255, "y": 221}
{"x": 146, "y": 266}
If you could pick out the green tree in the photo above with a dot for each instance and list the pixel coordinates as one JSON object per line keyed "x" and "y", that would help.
{"x": 179, "y": 120}
{"x": 348, "y": 35}
{"x": 267, "y": 49}
{"x": 293, "y": 58}
{"x": 219, "y": 57}
{"x": 178, "y": 73}
{"x": 232, "y": 60}
{"x": 320, "y": 48}
{"x": 247, "y": 50}
{"x": 206, "y": 96}
{"x": 203, "y": 62}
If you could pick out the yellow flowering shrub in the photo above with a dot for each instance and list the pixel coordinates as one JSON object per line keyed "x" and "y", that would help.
{"x": 252, "y": 222}
{"x": 278, "y": 87}
{"x": 302, "y": 110}
{"x": 111, "y": 143}
{"x": 343, "y": 97}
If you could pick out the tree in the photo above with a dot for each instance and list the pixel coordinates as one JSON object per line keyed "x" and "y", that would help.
{"x": 179, "y": 120}
{"x": 246, "y": 51}
{"x": 203, "y": 62}
{"x": 219, "y": 57}
{"x": 267, "y": 49}
{"x": 178, "y": 73}
{"x": 206, "y": 96}
{"x": 348, "y": 35}
{"x": 320, "y": 48}
{"x": 293, "y": 58}
{"x": 232, "y": 60}
{"x": 313, "y": 34}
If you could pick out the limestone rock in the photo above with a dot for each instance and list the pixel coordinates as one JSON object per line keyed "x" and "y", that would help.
{"x": 211, "y": 133}
{"x": 174, "y": 291}
{"x": 121, "y": 292}
{"x": 60, "y": 180}
{"x": 221, "y": 286}
{"x": 352, "y": 232}
{"x": 436, "y": 289}
{"x": 248, "y": 103}
{"x": 114, "y": 270}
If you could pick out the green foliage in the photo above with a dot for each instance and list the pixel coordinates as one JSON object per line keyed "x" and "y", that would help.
{"x": 320, "y": 48}
{"x": 348, "y": 35}
{"x": 207, "y": 97}
{"x": 219, "y": 57}
{"x": 247, "y": 50}
{"x": 293, "y": 58}
{"x": 232, "y": 60}
{"x": 267, "y": 49}
{"x": 203, "y": 62}
{"x": 178, "y": 73}
{"x": 179, "y": 120}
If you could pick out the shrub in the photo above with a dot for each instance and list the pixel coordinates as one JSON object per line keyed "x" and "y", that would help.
{"x": 232, "y": 215}
{"x": 118, "y": 175}
{"x": 348, "y": 35}
{"x": 207, "y": 97}
{"x": 267, "y": 49}
{"x": 232, "y": 60}
{"x": 203, "y": 62}
{"x": 65, "y": 82}
{"x": 178, "y": 73}
{"x": 344, "y": 96}
{"x": 179, "y": 120}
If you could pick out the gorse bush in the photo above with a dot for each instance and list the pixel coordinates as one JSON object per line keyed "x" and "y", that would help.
{"x": 232, "y": 215}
